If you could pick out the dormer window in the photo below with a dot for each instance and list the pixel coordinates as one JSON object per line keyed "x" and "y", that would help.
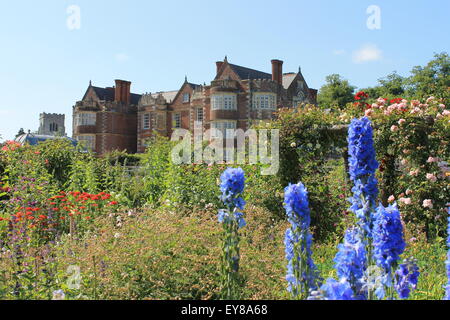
{"x": 185, "y": 97}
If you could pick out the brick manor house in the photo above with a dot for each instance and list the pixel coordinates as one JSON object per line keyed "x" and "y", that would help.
{"x": 113, "y": 118}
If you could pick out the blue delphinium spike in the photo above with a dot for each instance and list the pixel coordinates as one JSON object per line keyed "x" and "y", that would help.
{"x": 302, "y": 273}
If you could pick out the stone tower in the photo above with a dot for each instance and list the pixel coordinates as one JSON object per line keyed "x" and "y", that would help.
{"x": 51, "y": 124}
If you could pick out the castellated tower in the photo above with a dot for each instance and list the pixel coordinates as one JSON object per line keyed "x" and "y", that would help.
{"x": 51, "y": 124}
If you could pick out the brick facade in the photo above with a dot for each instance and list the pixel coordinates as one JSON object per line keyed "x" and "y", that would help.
{"x": 113, "y": 118}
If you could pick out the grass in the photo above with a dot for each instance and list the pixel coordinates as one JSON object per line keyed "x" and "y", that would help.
{"x": 162, "y": 255}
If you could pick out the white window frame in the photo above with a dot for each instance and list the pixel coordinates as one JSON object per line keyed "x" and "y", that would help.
{"x": 224, "y": 101}
{"x": 85, "y": 119}
{"x": 176, "y": 120}
{"x": 146, "y": 121}
{"x": 87, "y": 141}
{"x": 186, "y": 97}
{"x": 199, "y": 115}
{"x": 264, "y": 101}
{"x": 223, "y": 125}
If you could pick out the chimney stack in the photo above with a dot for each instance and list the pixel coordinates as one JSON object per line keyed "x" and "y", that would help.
{"x": 218, "y": 65}
{"x": 122, "y": 91}
{"x": 277, "y": 71}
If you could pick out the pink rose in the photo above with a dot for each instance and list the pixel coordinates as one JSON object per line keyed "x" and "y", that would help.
{"x": 415, "y": 103}
{"x": 368, "y": 112}
{"x": 394, "y": 128}
{"x": 432, "y": 159}
{"x": 446, "y": 113}
{"x": 427, "y": 203}
{"x": 409, "y": 192}
{"x": 381, "y": 101}
{"x": 401, "y": 121}
{"x": 431, "y": 177}
{"x": 391, "y": 199}
{"x": 414, "y": 173}
{"x": 406, "y": 201}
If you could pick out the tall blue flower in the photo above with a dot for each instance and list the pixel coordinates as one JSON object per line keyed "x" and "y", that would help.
{"x": 406, "y": 278}
{"x": 232, "y": 183}
{"x": 362, "y": 167}
{"x": 362, "y": 162}
{"x": 388, "y": 242}
{"x": 447, "y": 263}
{"x": 336, "y": 290}
{"x": 297, "y": 206}
{"x": 302, "y": 273}
{"x": 350, "y": 260}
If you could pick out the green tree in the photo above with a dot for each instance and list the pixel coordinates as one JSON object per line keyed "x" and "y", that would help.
{"x": 432, "y": 79}
{"x": 336, "y": 93}
{"x": 21, "y": 132}
{"x": 391, "y": 86}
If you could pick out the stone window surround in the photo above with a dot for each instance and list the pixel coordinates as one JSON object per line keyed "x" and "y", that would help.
{"x": 146, "y": 121}
{"x": 230, "y": 124}
{"x": 88, "y": 140}
{"x": 264, "y": 101}
{"x": 85, "y": 119}
{"x": 224, "y": 101}
{"x": 176, "y": 121}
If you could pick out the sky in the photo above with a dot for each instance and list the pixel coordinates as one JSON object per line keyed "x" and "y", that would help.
{"x": 50, "y": 50}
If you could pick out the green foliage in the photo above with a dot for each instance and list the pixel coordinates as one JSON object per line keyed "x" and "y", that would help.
{"x": 336, "y": 93}
{"x": 432, "y": 79}
{"x": 309, "y": 147}
{"x": 390, "y": 87}
{"x": 58, "y": 155}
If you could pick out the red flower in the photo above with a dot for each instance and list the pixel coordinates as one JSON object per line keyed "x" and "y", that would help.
{"x": 361, "y": 95}
{"x": 113, "y": 203}
{"x": 396, "y": 100}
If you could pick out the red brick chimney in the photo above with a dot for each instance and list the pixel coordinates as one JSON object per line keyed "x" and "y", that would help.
{"x": 218, "y": 65}
{"x": 122, "y": 91}
{"x": 277, "y": 71}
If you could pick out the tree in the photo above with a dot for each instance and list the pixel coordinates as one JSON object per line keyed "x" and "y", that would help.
{"x": 336, "y": 93}
{"x": 431, "y": 80}
{"x": 21, "y": 132}
{"x": 391, "y": 86}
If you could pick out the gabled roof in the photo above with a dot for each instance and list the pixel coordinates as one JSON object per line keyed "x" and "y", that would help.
{"x": 194, "y": 86}
{"x": 168, "y": 95}
{"x": 247, "y": 73}
{"x": 104, "y": 93}
{"x": 107, "y": 94}
{"x": 288, "y": 78}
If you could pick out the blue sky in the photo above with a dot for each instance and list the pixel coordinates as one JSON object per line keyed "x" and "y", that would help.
{"x": 45, "y": 66}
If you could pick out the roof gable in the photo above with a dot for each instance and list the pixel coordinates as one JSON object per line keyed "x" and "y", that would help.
{"x": 240, "y": 73}
{"x": 191, "y": 86}
{"x": 247, "y": 73}
{"x": 107, "y": 94}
